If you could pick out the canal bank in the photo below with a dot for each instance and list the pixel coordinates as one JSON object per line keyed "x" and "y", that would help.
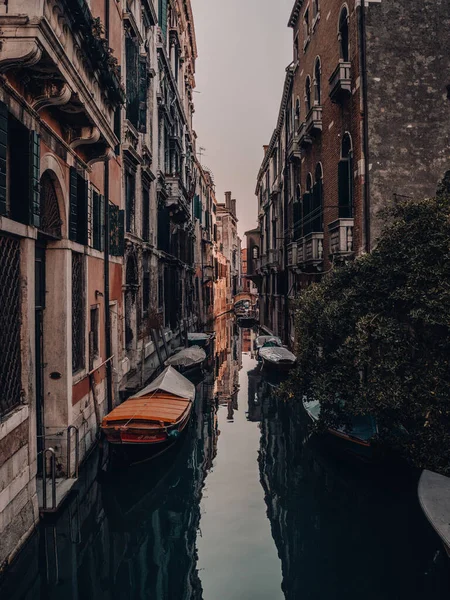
{"x": 249, "y": 505}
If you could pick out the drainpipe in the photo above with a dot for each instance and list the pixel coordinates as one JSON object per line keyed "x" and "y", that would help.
{"x": 109, "y": 397}
{"x": 285, "y": 235}
{"x": 365, "y": 116}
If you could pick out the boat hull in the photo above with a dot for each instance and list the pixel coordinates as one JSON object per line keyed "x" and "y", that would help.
{"x": 282, "y": 367}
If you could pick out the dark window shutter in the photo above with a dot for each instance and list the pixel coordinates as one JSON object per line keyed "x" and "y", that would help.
{"x": 3, "y": 149}
{"x": 82, "y": 210}
{"x": 297, "y": 220}
{"x": 35, "y": 163}
{"x": 118, "y": 127}
{"x": 316, "y": 209}
{"x": 142, "y": 94}
{"x": 95, "y": 220}
{"x": 344, "y": 189}
{"x": 162, "y": 16}
{"x": 102, "y": 223}
{"x": 132, "y": 82}
{"x": 121, "y": 232}
{"x": 73, "y": 199}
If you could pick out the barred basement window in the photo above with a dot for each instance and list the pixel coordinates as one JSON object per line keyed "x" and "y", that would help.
{"x": 10, "y": 365}
{"x": 77, "y": 312}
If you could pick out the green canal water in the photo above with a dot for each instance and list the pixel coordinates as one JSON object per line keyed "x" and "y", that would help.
{"x": 248, "y": 506}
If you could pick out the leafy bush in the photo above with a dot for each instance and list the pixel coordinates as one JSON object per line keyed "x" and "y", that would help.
{"x": 376, "y": 335}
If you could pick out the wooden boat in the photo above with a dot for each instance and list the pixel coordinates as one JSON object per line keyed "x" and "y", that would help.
{"x": 266, "y": 340}
{"x": 199, "y": 339}
{"x": 187, "y": 360}
{"x": 277, "y": 357}
{"x": 357, "y": 439}
{"x": 154, "y": 417}
{"x": 434, "y": 498}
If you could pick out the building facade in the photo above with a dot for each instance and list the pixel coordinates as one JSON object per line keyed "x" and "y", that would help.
{"x": 105, "y": 260}
{"x": 363, "y": 122}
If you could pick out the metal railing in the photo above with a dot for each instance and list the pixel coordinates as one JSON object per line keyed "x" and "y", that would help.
{"x": 44, "y": 478}
{"x": 69, "y": 450}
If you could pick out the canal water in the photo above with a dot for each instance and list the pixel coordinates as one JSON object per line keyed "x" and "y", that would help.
{"x": 248, "y": 506}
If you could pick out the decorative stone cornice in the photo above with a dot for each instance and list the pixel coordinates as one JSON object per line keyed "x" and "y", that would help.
{"x": 87, "y": 135}
{"x": 295, "y": 13}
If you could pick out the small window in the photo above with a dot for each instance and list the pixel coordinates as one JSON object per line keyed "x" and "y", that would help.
{"x": 97, "y": 220}
{"x": 306, "y": 24}
{"x": 345, "y": 179}
{"x": 130, "y": 190}
{"x": 343, "y": 34}
{"x": 297, "y": 113}
{"x": 316, "y": 8}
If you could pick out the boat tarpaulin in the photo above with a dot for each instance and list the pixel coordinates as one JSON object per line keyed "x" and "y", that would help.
{"x": 276, "y": 354}
{"x": 171, "y": 382}
{"x": 188, "y": 357}
{"x": 264, "y": 339}
{"x": 434, "y": 498}
{"x": 198, "y": 337}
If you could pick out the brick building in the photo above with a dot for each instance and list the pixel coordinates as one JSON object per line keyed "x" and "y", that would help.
{"x": 364, "y": 120}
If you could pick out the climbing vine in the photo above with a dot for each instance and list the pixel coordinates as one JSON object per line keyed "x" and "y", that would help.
{"x": 374, "y": 336}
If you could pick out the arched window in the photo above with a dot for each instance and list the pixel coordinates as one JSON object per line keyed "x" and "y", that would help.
{"x": 343, "y": 34}
{"x": 317, "y": 83}
{"x": 49, "y": 210}
{"x": 307, "y": 205}
{"x": 345, "y": 179}
{"x": 308, "y": 94}
{"x": 309, "y": 182}
{"x": 316, "y": 8}
{"x": 297, "y": 113}
{"x": 297, "y": 217}
{"x": 255, "y": 252}
{"x": 317, "y": 201}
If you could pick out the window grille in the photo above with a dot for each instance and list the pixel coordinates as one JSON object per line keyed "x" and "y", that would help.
{"x": 77, "y": 312}
{"x": 94, "y": 350}
{"x": 49, "y": 210}
{"x": 10, "y": 363}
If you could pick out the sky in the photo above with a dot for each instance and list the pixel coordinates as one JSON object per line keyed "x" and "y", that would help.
{"x": 244, "y": 47}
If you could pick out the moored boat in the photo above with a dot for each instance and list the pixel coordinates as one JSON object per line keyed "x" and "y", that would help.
{"x": 199, "y": 339}
{"x": 277, "y": 357}
{"x": 434, "y": 498}
{"x": 247, "y": 320}
{"x": 155, "y": 417}
{"x": 187, "y": 359}
{"x": 356, "y": 438}
{"x": 266, "y": 340}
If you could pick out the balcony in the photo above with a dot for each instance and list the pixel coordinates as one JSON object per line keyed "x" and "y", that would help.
{"x": 177, "y": 199}
{"x": 292, "y": 254}
{"x": 293, "y": 148}
{"x": 341, "y": 239}
{"x": 313, "y": 250}
{"x": 340, "y": 82}
{"x": 59, "y": 53}
{"x": 304, "y": 138}
{"x": 313, "y": 121}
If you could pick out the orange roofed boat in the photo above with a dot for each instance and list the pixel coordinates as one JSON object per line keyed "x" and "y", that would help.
{"x": 154, "y": 417}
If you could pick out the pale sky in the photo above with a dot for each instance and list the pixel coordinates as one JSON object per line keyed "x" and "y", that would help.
{"x": 244, "y": 47}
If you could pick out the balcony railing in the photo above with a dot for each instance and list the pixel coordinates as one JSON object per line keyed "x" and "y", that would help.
{"x": 313, "y": 122}
{"x": 292, "y": 254}
{"x": 310, "y": 250}
{"x": 294, "y": 146}
{"x": 341, "y": 238}
{"x": 340, "y": 82}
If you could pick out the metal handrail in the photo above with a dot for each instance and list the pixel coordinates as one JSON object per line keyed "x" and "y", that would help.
{"x": 44, "y": 478}
{"x": 69, "y": 449}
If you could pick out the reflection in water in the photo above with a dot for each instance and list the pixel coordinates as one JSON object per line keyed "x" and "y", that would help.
{"x": 343, "y": 530}
{"x": 201, "y": 522}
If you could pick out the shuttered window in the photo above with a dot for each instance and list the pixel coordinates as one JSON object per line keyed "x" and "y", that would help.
{"x": 98, "y": 221}
{"x": 143, "y": 89}
{"x": 345, "y": 188}
{"x": 307, "y": 224}
{"x": 162, "y": 16}
{"x": 132, "y": 82}
{"x": 78, "y": 215}
{"x": 317, "y": 207}
{"x": 145, "y": 214}
{"x": 34, "y": 162}
{"x": 297, "y": 221}
{"x": 130, "y": 191}
{"x": 116, "y": 230}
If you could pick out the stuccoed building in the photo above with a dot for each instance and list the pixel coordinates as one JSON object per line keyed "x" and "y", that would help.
{"x": 97, "y": 229}
{"x": 364, "y": 121}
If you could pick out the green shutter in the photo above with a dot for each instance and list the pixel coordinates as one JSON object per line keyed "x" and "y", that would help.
{"x": 82, "y": 210}
{"x": 162, "y": 16}
{"x": 344, "y": 189}
{"x": 3, "y": 149}
{"x": 35, "y": 164}
{"x": 73, "y": 200}
{"x": 142, "y": 127}
{"x": 102, "y": 223}
{"x": 95, "y": 220}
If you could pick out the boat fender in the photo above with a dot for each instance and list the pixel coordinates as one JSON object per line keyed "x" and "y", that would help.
{"x": 174, "y": 433}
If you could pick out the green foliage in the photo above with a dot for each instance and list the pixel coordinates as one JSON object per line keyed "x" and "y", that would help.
{"x": 376, "y": 335}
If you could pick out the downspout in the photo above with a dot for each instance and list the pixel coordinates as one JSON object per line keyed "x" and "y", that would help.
{"x": 365, "y": 117}
{"x": 109, "y": 397}
{"x": 287, "y": 183}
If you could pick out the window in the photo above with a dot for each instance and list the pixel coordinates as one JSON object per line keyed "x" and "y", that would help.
{"x": 10, "y": 299}
{"x": 162, "y": 16}
{"x": 345, "y": 179}
{"x": 255, "y": 252}
{"x": 296, "y": 53}
{"x": 308, "y": 94}
{"x": 307, "y": 206}
{"x": 78, "y": 335}
{"x": 97, "y": 220}
{"x": 297, "y": 113}
{"x": 317, "y": 83}
{"x": 306, "y": 26}
{"x": 78, "y": 218}
{"x": 146, "y": 286}
{"x": 145, "y": 214}
{"x": 297, "y": 217}
{"x": 130, "y": 189}
{"x": 316, "y": 8}
{"x": 94, "y": 350}
{"x": 343, "y": 34}
{"x": 132, "y": 78}
{"x": 317, "y": 201}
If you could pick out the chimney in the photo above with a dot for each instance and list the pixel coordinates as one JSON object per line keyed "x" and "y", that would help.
{"x": 233, "y": 207}
{"x": 228, "y": 200}
{"x": 266, "y": 147}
